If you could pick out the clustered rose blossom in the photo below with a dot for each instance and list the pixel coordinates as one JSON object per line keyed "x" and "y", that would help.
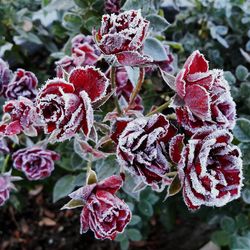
{"x": 84, "y": 52}
{"x": 124, "y": 90}
{"x": 103, "y": 213}
{"x": 203, "y": 97}
{"x": 21, "y": 118}
{"x": 122, "y": 36}
{"x": 36, "y": 163}
{"x": 66, "y": 107}
{"x": 112, "y": 6}
{"x": 210, "y": 169}
{"x": 142, "y": 149}
{"x": 6, "y": 184}
{"x": 24, "y": 83}
{"x": 5, "y": 77}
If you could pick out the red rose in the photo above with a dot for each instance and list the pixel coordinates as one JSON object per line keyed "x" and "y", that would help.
{"x": 142, "y": 149}
{"x": 5, "y": 77}
{"x": 123, "y": 35}
{"x": 36, "y": 163}
{"x": 67, "y": 63}
{"x": 65, "y": 107}
{"x": 210, "y": 169}
{"x": 104, "y": 213}
{"x": 24, "y": 83}
{"x": 203, "y": 97}
{"x": 22, "y": 118}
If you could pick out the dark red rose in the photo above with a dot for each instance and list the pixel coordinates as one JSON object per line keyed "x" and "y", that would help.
{"x": 125, "y": 89}
{"x": 142, "y": 150}
{"x": 5, "y": 77}
{"x": 210, "y": 169}
{"x": 103, "y": 213}
{"x": 123, "y": 35}
{"x": 203, "y": 97}
{"x": 36, "y": 163}
{"x": 22, "y": 117}
{"x": 23, "y": 83}
{"x": 112, "y": 6}
{"x": 65, "y": 107}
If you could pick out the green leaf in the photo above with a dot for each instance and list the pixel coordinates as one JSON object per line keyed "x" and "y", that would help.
{"x": 246, "y": 195}
{"x": 245, "y": 149}
{"x": 63, "y": 187}
{"x": 133, "y": 74}
{"x": 155, "y": 49}
{"x": 229, "y": 77}
{"x": 227, "y": 224}
{"x": 241, "y": 243}
{"x": 175, "y": 186}
{"x": 241, "y": 221}
{"x": 135, "y": 220}
{"x": 242, "y": 130}
{"x": 221, "y": 238}
{"x": 158, "y": 23}
{"x": 134, "y": 234}
{"x": 82, "y": 3}
{"x": 124, "y": 244}
{"x": 72, "y": 21}
{"x": 245, "y": 90}
{"x": 73, "y": 204}
{"x": 241, "y": 72}
{"x": 121, "y": 237}
{"x": 146, "y": 208}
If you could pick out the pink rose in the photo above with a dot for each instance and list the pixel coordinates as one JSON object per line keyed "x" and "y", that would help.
{"x": 203, "y": 97}
{"x": 36, "y": 163}
{"x": 122, "y": 35}
{"x": 210, "y": 169}
{"x": 22, "y": 118}
{"x": 103, "y": 213}
{"x": 24, "y": 83}
{"x": 142, "y": 149}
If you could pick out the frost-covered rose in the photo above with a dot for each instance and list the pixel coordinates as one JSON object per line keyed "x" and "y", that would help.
{"x": 23, "y": 83}
{"x": 142, "y": 149}
{"x": 22, "y": 117}
{"x": 66, "y": 64}
{"x": 203, "y": 97}
{"x": 125, "y": 89}
{"x": 210, "y": 170}
{"x": 103, "y": 213}
{"x": 112, "y": 6}
{"x": 65, "y": 107}
{"x": 6, "y": 184}
{"x": 36, "y": 163}
{"x": 5, "y": 77}
{"x": 166, "y": 65}
{"x": 123, "y": 35}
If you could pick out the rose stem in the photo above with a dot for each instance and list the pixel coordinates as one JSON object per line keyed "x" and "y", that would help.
{"x": 160, "y": 108}
{"x": 113, "y": 85}
{"x": 137, "y": 88}
{"x": 5, "y": 163}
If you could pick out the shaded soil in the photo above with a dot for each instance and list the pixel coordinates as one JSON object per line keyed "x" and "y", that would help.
{"x": 41, "y": 225}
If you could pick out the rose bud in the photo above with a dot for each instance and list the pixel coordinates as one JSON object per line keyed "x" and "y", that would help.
{"x": 122, "y": 36}
{"x": 65, "y": 107}
{"x": 84, "y": 50}
{"x": 211, "y": 105}
{"x": 5, "y": 77}
{"x": 6, "y": 185}
{"x": 23, "y": 118}
{"x": 125, "y": 89}
{"x": 24, "y": 83}
{"x": 36, "y": 163}
{"x": 112, "y": 6}
{"x": 210, "y": 170}
{"x": 103, "y": 212}
{"x": 66, "y": 64}
{"x": 142, "y": 149}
